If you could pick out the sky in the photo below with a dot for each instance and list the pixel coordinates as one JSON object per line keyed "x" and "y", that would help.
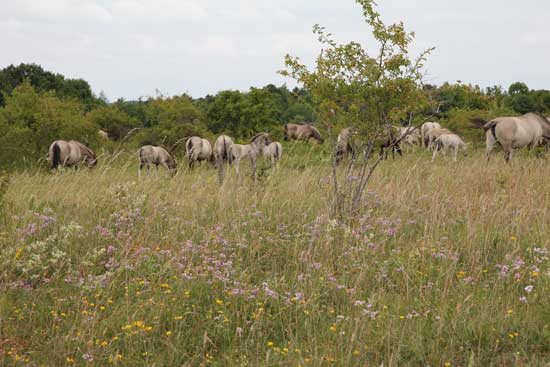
{"x": 131, "y": 48}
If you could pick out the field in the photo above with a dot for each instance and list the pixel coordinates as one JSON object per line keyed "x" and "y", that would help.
{"x": 447, "y": 265}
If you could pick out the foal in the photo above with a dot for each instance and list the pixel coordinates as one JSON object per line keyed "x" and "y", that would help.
{"x": 251, "y": 151}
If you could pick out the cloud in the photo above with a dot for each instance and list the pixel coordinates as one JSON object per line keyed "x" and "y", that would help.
{"x": 56, "y": 10}
{"x": 129, "y": 48}
{"x": 158, "y": 10}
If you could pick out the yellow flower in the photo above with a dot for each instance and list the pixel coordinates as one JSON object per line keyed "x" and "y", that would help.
{"x": 219, "y": 301}
{"x": 70, "y": 360}
{"x": 402, "y": 317}
{"x": 356, "y": 352}
{"x": 513, "y": 238}
{"x": 332, "y": 327}
{"x": 269, "y": 344}
{"x": 178, "y": 317}
{"x": 509, "y": 312}
{"x": 119, "y": 357}
{"x": 447, "y": 364}
{"x": 19, "y": 252}
{"x": 168, "y": 333}
{"x": 534, "y": 274}
{"x": 165, "y": 285}
{"x": 148, "y": 328}
{"x": 104, "y": 343}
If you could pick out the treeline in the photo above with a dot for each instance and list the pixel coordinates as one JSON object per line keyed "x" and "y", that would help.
{"x": 37, "y": 107}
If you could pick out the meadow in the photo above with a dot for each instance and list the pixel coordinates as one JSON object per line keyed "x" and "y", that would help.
{"x": 448, "y": 264}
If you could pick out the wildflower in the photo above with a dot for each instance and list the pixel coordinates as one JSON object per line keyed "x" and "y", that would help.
{"x": 447, "y": 364}
{"x": 70, "y": 360}
{"x": 513, "y": 238}
{"x": 460, "y": 274}
{"x": 219, "y": 301}
{"x": 332, "y": 327}
{"x": 529, "y": 288}
{"x": 269, "y": 344}
{"x": 168, "y": 333}
{"x": 534, "y": 274}
{"x": 119, "y": 357}
{"x": 178, "y": 318}
{"x": 356, "y": 352}
{"x": 104, "y": 343}
{"x": 509, "y": 312}
{"x": 402, "y": 317}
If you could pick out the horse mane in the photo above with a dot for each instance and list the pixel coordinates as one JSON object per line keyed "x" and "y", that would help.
{"x": 256, "y": 137}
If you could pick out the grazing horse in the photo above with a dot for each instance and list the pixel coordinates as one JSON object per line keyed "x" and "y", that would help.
{"x": 222, "y": 148}
{"x": 448, "y": 141}
{"x": 425, "y": 129}
{"x": 198, "y": 150}
{"x": 514, "y": 132}
{"x": 149, "y": 155}
{"x": 70, "y": 153}
{"x": 252, "y": 151}
{"x": 435, "y": 133}
{"x": 273, "y": 152}
{"x": 390, "y": 140}
{"x": 410, "y": 136}
{"x": 302, "y": 132}
{"x": 343, "y": 144}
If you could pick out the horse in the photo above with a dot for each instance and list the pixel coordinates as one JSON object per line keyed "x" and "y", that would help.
{"x": 390, "y": 139}
{"x": 103, "y": 134}
{"x": 222, "y": 148}
{"x": 435, "y": 133}
{"x": 343, "y": 144}
{"x": 425, "y": 129}
{"x": 448, "y": 141}
{"x": 149, "y": 154}
{"x": 252, "y": 150}
{"x": 410, "y": 136}
{"x": 302, "y": 132}
{"x": 514, "y": 132}
{"x": 198, "y": 150}
{"x": 273, "y": 152}
{"x": 70, "y": 153}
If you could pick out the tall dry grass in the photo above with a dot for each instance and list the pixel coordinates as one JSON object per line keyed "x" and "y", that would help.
{"x": 447, "y": 265}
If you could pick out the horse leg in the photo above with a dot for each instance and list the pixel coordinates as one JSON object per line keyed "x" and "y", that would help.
{"x": 435, "y": 154}
{"x": 237, "y": 161}
{"x": 141, "y": 164}
{"x": 490, "y": 143}
{"x": 253, "y": 166}
{"x": 455, "y": 152}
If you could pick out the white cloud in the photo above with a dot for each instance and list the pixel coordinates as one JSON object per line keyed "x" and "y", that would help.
{"x": 56, "y": 10}
{"x": 129, "y": 48}
{"x": 158, "y": 10}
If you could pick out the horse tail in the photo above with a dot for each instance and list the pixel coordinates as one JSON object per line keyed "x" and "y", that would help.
{"x": 224, "y": 154}
{"x": 277, "y": 152}
{"x": 189, "y": 147}
{"x": 479, "y": 122}
{"x": 56, "y": 155}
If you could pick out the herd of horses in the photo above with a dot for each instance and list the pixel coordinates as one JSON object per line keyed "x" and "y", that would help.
{"x": 511, "y": 133}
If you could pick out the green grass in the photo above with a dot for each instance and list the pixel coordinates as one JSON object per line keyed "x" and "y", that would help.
{"x": 99, "y": 268}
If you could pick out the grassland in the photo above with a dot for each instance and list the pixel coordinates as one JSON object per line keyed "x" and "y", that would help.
{"x": 447, "y": 265}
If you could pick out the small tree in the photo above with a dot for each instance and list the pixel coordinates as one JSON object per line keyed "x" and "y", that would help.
{"x": 351, "y": 87}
